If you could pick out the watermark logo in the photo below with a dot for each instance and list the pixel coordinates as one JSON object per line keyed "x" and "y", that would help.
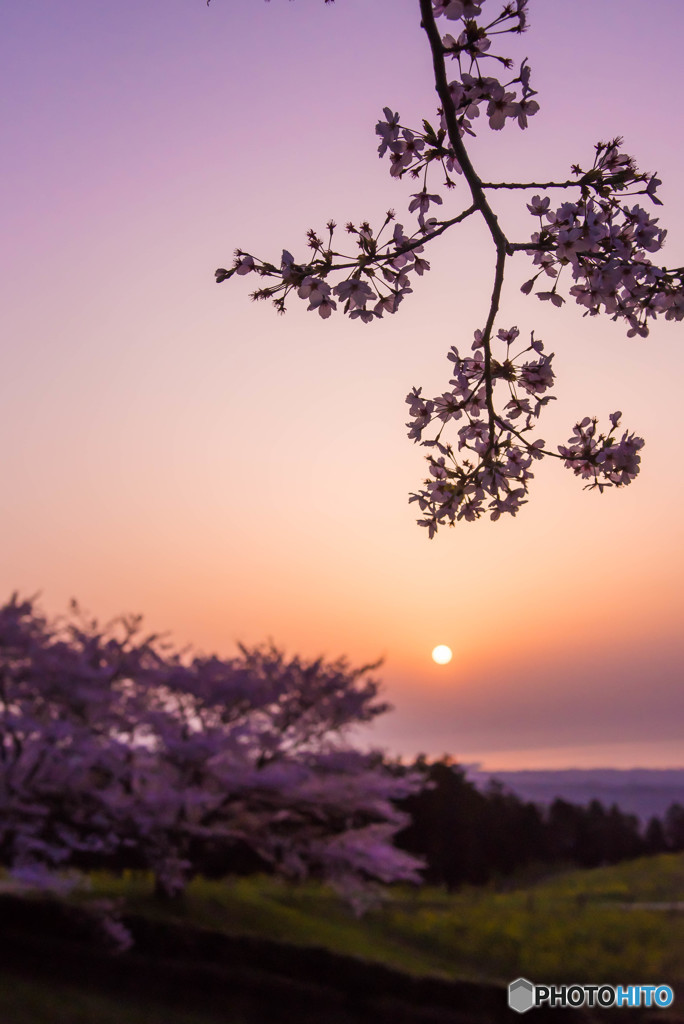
{"x": 523, "y": 995}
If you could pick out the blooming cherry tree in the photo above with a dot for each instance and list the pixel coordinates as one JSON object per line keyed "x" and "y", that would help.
{"x": 116, "y": 750}
{"x": 595, "y": 246}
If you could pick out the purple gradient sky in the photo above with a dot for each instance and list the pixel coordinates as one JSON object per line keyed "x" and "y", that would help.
{"x": 171, "y": 448}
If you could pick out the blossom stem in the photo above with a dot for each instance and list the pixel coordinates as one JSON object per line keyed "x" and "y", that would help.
{"x": 487, "y": 334}
{"x": 531, "y": 184}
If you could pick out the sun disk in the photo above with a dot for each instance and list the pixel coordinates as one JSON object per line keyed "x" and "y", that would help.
{"x": 442, "y": 654}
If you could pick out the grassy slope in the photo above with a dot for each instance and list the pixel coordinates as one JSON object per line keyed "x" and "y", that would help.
{"x": 571, "y": 927}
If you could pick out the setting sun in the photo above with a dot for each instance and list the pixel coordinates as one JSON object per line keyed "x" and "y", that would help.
{"x": 442, "y": 654}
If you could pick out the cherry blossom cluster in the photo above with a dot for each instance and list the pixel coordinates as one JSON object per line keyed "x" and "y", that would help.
{"x": 604, "y": 241}
{"x": 116, "y": 751}
{"x": 601, "y": 458}
{"x": 490, "y": 469}
{"x": 469, "y": 50}
{"x": 600, "y": 234}
{"x": 472, "y": 90}
{"x": 411, "y": 151}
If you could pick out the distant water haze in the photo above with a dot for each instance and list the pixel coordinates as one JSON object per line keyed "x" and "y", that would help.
{"x": 641, "y": 791}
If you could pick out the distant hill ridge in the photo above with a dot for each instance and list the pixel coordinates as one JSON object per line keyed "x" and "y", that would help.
{"x": 646, "y": 792}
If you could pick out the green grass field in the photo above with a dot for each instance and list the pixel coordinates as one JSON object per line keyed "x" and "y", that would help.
{"x": 581, "y": 926}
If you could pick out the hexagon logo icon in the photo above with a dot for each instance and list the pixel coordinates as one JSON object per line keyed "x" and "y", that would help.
{"x": 521, "y": 995}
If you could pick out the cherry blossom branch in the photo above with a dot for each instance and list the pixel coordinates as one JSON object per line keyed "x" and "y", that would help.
{"x": 530, "y": 184}
{"x": 581, "y": 182}
{"x": 602, "y": 241}
{"x": 267, "y": 269}
{"x": 476, "y": 190}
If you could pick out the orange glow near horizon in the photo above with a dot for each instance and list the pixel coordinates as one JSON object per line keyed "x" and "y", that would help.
{"x": 177, "y": 451}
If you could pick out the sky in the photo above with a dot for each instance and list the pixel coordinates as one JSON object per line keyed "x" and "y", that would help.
{"x": 172, "y": 449}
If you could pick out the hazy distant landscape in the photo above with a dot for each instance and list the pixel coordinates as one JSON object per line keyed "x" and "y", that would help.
{"x": 646, "y": 792}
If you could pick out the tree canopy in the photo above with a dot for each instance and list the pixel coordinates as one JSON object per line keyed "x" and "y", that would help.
{"x": 119, "y": 751}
